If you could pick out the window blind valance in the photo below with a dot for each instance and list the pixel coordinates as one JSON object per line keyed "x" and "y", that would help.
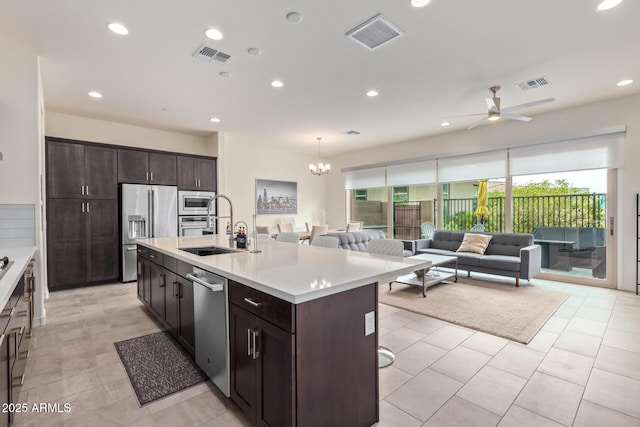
{"x": 597, "y": 152}
{"x": 492, "y": 164}
{"x": 412, "y": 173}
{"x": 365, "y": 178}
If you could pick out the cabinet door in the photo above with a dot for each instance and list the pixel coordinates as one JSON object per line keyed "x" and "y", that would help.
{"x": 66, "y": 242}
{"x": 65, "y": 169}
{"x": 276, "y": 391}
{"x": 206, "y": 174}
{"x": 5, "y": 377}
{"x": 244, "y": 374}
{"x": 162, "y": 169}
{"x": 156, "y": 287}
{"x": 133, "y": 166}
{"x": 101, "y": 179}
{"x": 171, "y": 292}
{"x": 187, "y": 331}
{"x": 102, "y": 240}
{"x": 187, "y": 173}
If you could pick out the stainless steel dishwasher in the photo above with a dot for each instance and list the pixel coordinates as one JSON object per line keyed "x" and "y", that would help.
{"x": 211, "y": 303}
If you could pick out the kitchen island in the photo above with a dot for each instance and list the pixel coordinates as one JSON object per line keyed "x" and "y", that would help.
{"x": 302, "y": 325}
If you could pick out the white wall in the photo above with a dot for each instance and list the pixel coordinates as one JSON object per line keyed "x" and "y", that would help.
{"x": 106, "y": 132}
{"x": 20, "y": 136}
{"x": 621, "y": 111}
{"x": 243, "y": 158}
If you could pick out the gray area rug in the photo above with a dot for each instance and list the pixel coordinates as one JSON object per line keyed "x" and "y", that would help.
{"x": 157, "y": 366}
{"x": 501, "y": 309}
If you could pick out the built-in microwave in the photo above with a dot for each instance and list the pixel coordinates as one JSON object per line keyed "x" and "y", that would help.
{"x": 195, "y": 202}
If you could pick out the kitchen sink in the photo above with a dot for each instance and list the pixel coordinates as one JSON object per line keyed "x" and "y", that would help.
{"x": 208, "y": 250}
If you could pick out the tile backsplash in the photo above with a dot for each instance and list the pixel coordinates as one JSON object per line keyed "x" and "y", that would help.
{"x": 17, "y": 226}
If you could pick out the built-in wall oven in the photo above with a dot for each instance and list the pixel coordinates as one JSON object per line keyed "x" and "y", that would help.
{"x": 194, "y": 225}
{"x": 195, "y": 202}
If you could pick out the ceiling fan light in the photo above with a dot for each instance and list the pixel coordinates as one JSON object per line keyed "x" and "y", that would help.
{"x": 420, "y": 3}
{"x": 494, "y": 116}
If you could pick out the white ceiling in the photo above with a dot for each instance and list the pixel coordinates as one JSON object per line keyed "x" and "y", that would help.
{"x": 451, "y": 53}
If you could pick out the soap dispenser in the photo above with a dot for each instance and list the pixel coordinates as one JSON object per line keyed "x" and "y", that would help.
{"x": 241, "y": 239}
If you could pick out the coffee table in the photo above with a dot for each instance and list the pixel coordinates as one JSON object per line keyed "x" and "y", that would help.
{"x": 426, "y": 277}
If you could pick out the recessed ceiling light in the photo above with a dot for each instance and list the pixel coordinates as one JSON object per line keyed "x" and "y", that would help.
{"x": 608, "y": 4}
{"x": 95, "y": 94}
{"x": 445, "y": 124}
{"x": 624, "y": 82}
{"x": 118, "y": 28}
{"x": 253, "y": 51}
{"x": 213, "y": 34}
{"x": 215, "y": 120}
{"x": 372, "y": 93}
{"x": 294, "y": 17}
{"x": 277, "y": 83}
{"x": 420, "y": 3}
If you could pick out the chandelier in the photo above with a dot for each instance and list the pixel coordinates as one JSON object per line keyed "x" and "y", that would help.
{"x": 319, "y": 168}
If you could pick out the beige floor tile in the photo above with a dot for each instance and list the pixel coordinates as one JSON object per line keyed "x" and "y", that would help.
{"x": 587, "y": 326}
{"x": 555, "y": 324}
{"x": 587, "y": 345}
{"x": 448, "y": 337}
{"x": 594, "y": 313}
{"x": 592, "y": 415}
{"x": 625, "y": 322}
{"x": 423, "y": 395}
{"x": 485, "y": 343}
{"x": 400, "y": 339}
{"x": 459, "y": 412}
{"x": 390, "y": 416}
{"x": 566, "y": 312}
{"x": 567, "y": 366}
{"x": 390, "y": 378}
{"x": 520, "y": 417}
{"x": 551, "y": 397}
{"x": 193, "y": 411}
{"x": 605, "y": 301}
{"x": 619, "y": 362}
{"x": 622, "y": 340}
{"x": 613, "y": 391}
{"x": 543, "y": 341}
{"x": 573, "y": 301}
{"x": 230, "y": 418}
{"x": 395, "y": 321}
{"x": 461, "y": 363}
{"x": 517, "y": 360}
{"x": 417, "y": 357}
{"x": 427, "y": 325}
{"x": 492, "y": 389}
{"x": 386, "y": 310}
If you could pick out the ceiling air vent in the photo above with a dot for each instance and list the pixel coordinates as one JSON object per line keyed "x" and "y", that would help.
{"x": 352, "y": 132}
{"x": 205, "y": 53}
{"x": 375, "y": 32}
{"x": 533, "y": 84}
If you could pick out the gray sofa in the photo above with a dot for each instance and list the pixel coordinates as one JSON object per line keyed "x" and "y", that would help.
{"x": 357, "y": 240}
{"x": 508, "y": 254}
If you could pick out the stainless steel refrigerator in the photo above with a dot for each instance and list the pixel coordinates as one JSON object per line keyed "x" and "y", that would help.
{"x": 145, "y": 211}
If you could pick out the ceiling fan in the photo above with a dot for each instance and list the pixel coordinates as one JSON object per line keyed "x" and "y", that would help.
{"x": 494, "y": 111}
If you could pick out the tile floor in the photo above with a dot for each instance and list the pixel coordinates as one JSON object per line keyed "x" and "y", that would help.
{"x": 581, "y": 369}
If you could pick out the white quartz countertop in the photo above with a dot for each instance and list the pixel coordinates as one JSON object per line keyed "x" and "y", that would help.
{"x": 21, "y": 258}
{"x": 292, "y": 272}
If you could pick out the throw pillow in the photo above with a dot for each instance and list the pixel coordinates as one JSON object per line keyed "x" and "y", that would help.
{"x": 476, "y": 243}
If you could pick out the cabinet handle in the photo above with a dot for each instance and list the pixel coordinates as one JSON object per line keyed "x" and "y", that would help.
{"x": 147, "y": 176}
{"x": 23, "y": 313}
{"x": 252, "y": 302}
{"x": 199, "y": 183}
{"x": 11, "y": 311}
{"x": 152, "y": 256}
{"x": 195, "y": 183}
{"x": 255, "y": 338}
{"x": 18, "y": 381}
{"x": 87, "y": 207}
{"x": 151, "y": 174}
{"x": 82, "y": 207}
{"x": 164, "y": 280}
{"x": 82, "y": 190}
{"x": 248, "y": 342}
{"x": 86, "y": 190}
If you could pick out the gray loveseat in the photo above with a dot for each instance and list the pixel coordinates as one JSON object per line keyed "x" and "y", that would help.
{"x": 358, "y": 240}
{"x": 508, "y": 254}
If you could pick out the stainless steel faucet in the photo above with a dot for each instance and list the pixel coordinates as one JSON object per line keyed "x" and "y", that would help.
{"x": 211, "y": 217}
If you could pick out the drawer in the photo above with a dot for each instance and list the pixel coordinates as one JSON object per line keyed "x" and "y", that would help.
{"x": 143, "y": 251}
{"x": 183, "y": 268}
{"x": 274, "y": 310}
{"x": 170, "y": 263}
{"x": 155, "y": 256}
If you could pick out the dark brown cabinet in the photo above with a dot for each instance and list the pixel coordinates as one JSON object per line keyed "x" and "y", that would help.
{"x": 144, "y": 167}
{"x": 196, "y": 173}
{"x": 167, "y": 295}
{"x": 82, "y": 241}
{"x": 81, "y": 171}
